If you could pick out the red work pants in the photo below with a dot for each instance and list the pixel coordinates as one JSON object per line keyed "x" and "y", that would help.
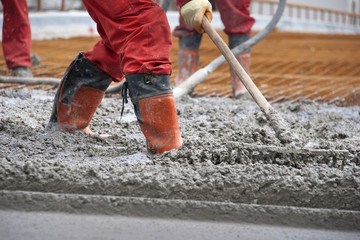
{"x": 135, "y": 37}
{"x": 16, "y": 33}
{"x": 234, "y": 14}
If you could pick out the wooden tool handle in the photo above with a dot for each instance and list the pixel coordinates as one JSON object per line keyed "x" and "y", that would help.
{"x": 235, "y": 65}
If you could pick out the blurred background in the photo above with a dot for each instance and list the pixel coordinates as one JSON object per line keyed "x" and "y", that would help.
{"x": 313, "y": 53}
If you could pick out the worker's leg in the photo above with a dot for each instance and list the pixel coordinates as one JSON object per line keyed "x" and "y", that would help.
{"x": 90, "y": 73}
{"x": 188, "y": 53}
{"x": 244, "y": 60}
{"x": 78, "y": 96}
{"x": 140, "y": 35}
{"x": 238, "y": 22}
{"x": 16, "y": 37}
{"x": 155, "y": 109}
{"x": 188, "y": 57}
{"x": 103, "y": 55}
{"x": 83, "y": 86}
{"x": 137, "y": 31}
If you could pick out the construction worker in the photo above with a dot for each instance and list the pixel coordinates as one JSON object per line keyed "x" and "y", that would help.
{"x": 236, "y": 18}
{"x": 135, "y": 44}
{"x": 16, "y": 37}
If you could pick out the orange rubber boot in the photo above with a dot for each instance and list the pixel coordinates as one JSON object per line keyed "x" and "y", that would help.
{"x": 155, "y": 109}
{"x": 244, "y": 60}
{"x": 160, "y": 123}
{"x": 78, "y": 96}
{"x": 188, "y": 63}
{"x": 237, "y": 86}
{"x": 78, "y": 114}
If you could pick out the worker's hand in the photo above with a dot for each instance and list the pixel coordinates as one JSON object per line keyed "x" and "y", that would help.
{"x": 193, "y": 12}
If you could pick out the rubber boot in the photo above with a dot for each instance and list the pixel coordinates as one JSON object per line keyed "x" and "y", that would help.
{"x": 188, "y": 63}
{"x": 188, "y": 57}
{"x": 155, "y": 109}
{"x": 237, "y": 86}
{"x": 244, "y": 60}
{"x": 79, "y": 94}
{"x": 22, "y": 71}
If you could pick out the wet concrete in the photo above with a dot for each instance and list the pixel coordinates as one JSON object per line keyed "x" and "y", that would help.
{"x": 32, "y": 159}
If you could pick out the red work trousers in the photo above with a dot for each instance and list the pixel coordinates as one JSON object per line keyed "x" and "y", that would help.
{"x": 234, "y": 14}
{"x": 16, "y": 33}
{"x": 135, "y": 37}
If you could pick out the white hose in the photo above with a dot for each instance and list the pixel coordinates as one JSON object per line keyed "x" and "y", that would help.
{"x": 30, "y": 80}
{"x": 46, "y": 81}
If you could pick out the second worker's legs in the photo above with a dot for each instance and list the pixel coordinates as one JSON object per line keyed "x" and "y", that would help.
{"x": 188, "y": 57}
{"x": 16, "y": 37}
{"x": 236, "y": 17}
{"x": 244, "y": 60}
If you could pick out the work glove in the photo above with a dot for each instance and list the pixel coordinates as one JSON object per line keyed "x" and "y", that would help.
{"x": 193, "y": 12}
